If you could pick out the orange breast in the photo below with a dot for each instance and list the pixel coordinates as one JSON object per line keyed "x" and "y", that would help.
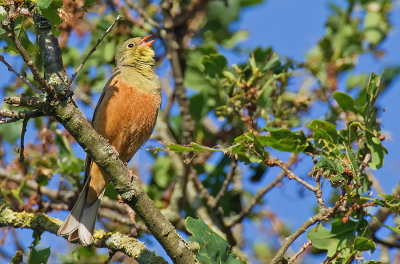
{"x": 126, "y": 117}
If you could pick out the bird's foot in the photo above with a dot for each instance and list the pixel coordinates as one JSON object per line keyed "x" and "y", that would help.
{"x": 115, "y": 150}
{"x": 133, "y": 176}
{"x": 120, "y": 200}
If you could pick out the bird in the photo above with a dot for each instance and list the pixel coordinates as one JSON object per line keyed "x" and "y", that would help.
{"x": 125, "y": 115}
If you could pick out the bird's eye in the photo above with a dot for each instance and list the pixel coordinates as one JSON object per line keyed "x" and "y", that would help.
{"x": 130, "y": 45}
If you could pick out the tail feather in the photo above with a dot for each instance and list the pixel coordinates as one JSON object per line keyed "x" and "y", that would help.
{"x": 88, "y": 220}
{"x": 80, "y": 222}
{"x": 72, "y": 222}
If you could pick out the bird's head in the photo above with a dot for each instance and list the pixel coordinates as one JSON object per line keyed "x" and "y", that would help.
{"x": 137, "y": 53}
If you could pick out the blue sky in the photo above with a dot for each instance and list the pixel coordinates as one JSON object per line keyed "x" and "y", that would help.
{"x": 292, "y": 28}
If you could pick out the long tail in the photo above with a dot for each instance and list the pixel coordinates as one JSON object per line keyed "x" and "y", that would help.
{"x": 80, "y": 222}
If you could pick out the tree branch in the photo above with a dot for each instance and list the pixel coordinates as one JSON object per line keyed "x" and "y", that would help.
{"x": 41, "y": 222}
{"x": 18, "y": 115}
{"x": 23, "y": 100}
{"x": 177, "y": 65}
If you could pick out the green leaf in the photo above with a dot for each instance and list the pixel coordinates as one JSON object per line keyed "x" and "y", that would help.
{"x": 330, "y": 164}
{"x": 375, "y": 27}
{"x": 373, "y": 87}
{"x": 345, "y": 101}
{"x": 213, "y": 248}
{"x": 214, "y": 64}
{"x": 193, "y": 148}
{"x": 273, "y": 64}
{"x": 364, "y": 244}
{"x": 178, "y": 148}
{"x": 284, "y": 140}
{"x": 324, "y": 130}
{"x": 248, "y": 149}
{"x": 359, "y": 80}
{"x": 341, "y": 236}
{"x": 39, "y": 256}
{"x": 198, "y": 106}
{"x": 352, "y": 159}
{"x": 378, "y": 151}
{"x": 49, "y": 9}
{"x": 43, "y": 4}
{"x": 322, "y": 239}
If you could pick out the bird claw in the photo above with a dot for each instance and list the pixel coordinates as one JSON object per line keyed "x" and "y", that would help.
{"x": 120, "y": 200}
{"x": 115, "y": 150}
{"x": 132, "y": 175}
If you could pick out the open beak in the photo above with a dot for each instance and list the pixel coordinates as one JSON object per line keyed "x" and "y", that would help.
{"x": 144, "y": 41}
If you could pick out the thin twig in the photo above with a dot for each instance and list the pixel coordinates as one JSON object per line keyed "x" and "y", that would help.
{"x": 23, "y": 78}
{"x": 91, "y": 51}
{"x": 111, "y": 254}
{"x": 318, "y": 192}
{"x": 191, "y": 9}
{"x": 22, "y": 148}
{"x": 226, "y": 183}
{"x": 260, "y": 194}
{"x": 363, "y": 164}
{"x": 204, "y": 194}
{"x": 322, "y": 215}
{"x": 302, "y": 249}
{"x": 8, "y": 26}
{"x": 143, "y": 14}
{"x": 290, "y": 174}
